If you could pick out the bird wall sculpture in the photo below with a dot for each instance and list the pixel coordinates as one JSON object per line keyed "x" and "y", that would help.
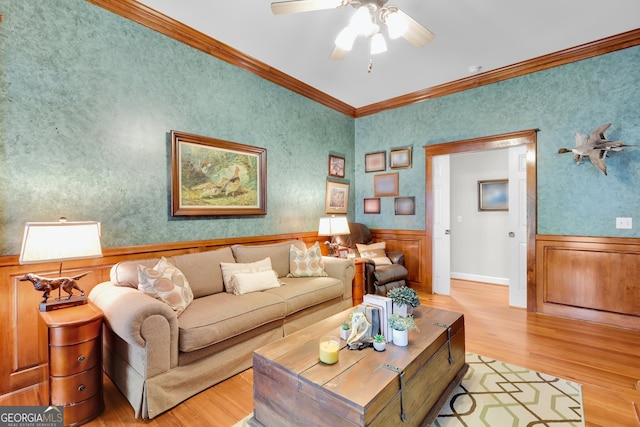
{"x": 595, "y": 146}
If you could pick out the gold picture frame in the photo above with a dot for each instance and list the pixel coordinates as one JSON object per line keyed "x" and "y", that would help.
{"x": 385, "y": 185}
{"x": 400, "y": 158}
{"x": 493, "y": 195}
{"x": 212, "y": 177}
{"x": 337, "y": 198}
{"x": 375, "y": 162}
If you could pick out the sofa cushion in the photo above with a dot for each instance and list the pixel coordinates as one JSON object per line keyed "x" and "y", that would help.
{"x": 203, "y": 270}
{"x": 125, "y": 273}
{"x": 278, "y": 252}
{"x": 304, "y": 292}
{"x": 231, "y": 268}
{"x": 306, "y": 263}
{"x": 217, "y": 317}
{"x": 166, "y": 283}
{"x": 243, "y": 283}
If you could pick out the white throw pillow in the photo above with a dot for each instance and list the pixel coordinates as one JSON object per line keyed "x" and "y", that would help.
{"x": 251, "y": 282}
{"x": 230, "y": 268}
{"x": 376, "y": 252}
{"x": 166, "y": 283}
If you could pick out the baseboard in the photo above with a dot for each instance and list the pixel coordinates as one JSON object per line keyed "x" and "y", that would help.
{"x": 479, "y": 278}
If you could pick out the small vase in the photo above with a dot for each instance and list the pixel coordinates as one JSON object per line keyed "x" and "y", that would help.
{"x": 401, "y": 309}
{"x": 400, "y": 338}
{"x": 379, "y": 346}
{"x": 344, "y": 333}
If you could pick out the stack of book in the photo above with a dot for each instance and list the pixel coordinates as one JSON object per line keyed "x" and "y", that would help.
{"x": 377, "y": 309}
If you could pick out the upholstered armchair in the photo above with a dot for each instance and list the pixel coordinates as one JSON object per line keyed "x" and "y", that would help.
{"x": 383, "y": 270}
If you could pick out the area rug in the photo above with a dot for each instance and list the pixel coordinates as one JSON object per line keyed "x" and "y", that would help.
{"x": 498, "y": 394}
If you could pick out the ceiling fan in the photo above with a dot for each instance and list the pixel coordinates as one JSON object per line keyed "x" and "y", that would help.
{"x": 364, "y": 22}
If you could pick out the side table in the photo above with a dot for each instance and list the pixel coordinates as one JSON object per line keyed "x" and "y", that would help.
{"x": 357, "y": 289}
{"x": 70, "y": 343}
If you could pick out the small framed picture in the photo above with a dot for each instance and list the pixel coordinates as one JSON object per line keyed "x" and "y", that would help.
{"x": 375, "y": 162}
{"x": 385, "y": 185}
{"x": 372, "y": 205}
{"x": 400, "y": 158}
{"x": 493, "y": 195}
{"x": 336, "y": 166}
{"x": 343, "y": 253}
{"x": 405, "y": 205}
{"x": 337, "y": 198}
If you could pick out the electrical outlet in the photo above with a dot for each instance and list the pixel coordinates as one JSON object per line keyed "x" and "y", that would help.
{"x": 626, "y": 223}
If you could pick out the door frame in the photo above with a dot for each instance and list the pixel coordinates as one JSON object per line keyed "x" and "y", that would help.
{"x": 526, "y": 137}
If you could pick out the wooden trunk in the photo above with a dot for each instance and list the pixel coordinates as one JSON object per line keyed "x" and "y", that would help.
{"x": 365, "y": 388}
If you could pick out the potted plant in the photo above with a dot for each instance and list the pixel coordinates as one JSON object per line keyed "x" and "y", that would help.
{"x": 404, "y": 300}
{"x": 379, "y": 343}
{"x": 401, "y": 325}
{"x": 345, "y": 329}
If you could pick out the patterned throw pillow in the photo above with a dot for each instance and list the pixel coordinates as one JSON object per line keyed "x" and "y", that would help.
{"x": 375, "y": 252}
{"x": 231, "y": 268}
{"x": 306, "y": 263}
{"x": 166, "y": 283}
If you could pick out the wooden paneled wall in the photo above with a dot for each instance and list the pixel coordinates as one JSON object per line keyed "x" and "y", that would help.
{"x": 589, "y": 278}
{"x": 20, "y": 365}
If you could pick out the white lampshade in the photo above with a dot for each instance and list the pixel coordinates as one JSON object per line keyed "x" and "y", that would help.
{"x": 397, "y": 25}
{"x": 346, "y": 38}
{"x": 362, "y": 21}
{"x": 333, "y": 226}
{"x": 378, "y": 44}
{"x": 60, "y": 241}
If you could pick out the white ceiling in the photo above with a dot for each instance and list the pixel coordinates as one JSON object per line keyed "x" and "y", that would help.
{"x": 488, "y": 33}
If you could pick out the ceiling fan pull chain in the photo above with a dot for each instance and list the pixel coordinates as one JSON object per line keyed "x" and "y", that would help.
{"x": 370, "y": 65}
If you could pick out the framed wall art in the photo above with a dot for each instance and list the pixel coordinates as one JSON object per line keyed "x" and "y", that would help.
{"x": 493, "y": 195}
{"x": 400, "y": 158}
{"x": 385, "y": 185}
{"x": 375, "y": 162}
{"x": 212, "y": 177}
{"x": 337, "y": 198}
{"x": 405, "y": 205}
{"x": 372, "y": 205}
{"x": 336, "y": 166}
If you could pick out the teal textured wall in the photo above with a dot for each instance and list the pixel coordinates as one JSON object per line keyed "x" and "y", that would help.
{"x": 87, "y": 101}
{"x": 579, "y": 97}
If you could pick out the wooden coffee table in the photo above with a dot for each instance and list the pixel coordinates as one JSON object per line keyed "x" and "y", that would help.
{"x": 401, "y": 385}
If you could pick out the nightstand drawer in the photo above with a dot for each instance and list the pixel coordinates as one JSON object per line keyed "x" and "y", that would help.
{"x": 69, "y": 335}
{"x": 75, "y": 388}
{"x": 73, "y": 359}
{"x": 83, "y": 411}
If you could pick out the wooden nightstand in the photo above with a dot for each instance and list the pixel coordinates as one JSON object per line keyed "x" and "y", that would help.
{"x": 70, "y": 343}
{"x": 357, "y": 290}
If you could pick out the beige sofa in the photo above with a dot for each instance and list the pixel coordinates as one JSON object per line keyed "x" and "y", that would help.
{"x": 158, "y": 359}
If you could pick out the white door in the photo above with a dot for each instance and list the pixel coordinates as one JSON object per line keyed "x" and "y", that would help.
{"x": 441, "y": 226}
{"x": 518, "y": 226}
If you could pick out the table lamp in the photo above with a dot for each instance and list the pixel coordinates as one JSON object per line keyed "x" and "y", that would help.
{"x": 59, "y": 241}
{"x": 333, "y": 226}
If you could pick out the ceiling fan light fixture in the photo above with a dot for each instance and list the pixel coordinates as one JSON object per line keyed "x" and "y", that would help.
{"x": 378, "y": 44}
{"x": 362, "y": 22}
{"x": 346, "y": 38}
{"x": 396, "y": 25}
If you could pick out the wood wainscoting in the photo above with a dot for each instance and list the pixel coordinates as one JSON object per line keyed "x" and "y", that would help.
{"x": 589, "y": 278}
{"x": 20, "y": 364}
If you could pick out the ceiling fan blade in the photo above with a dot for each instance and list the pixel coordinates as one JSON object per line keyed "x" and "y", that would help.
{"x": 295, "y": 6}
{"x": 338, "y": 53}
{"x": 416, "y": 33}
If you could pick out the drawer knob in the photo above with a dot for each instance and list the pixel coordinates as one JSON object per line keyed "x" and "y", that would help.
{"x": 81, "y": 358}
{"x": 81, "y": 387}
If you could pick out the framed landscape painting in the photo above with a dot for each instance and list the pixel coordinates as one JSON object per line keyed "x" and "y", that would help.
{"x": 493, "y": 195}
{"x": 375, "y": 162}
{"x": 400, "y": 158}
{"x": 212, "y": 177}
{"x": 385, "y": 185}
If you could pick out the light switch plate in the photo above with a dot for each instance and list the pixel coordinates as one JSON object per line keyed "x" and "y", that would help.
{"x": 626, "y": 223}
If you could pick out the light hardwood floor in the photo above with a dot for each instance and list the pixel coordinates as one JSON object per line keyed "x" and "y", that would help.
{"x": 605, "y": 360}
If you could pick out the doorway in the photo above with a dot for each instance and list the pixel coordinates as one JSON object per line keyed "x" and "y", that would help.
{"x": 434, "y": 229}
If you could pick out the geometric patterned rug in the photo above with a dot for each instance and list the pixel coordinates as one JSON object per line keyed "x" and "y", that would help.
{"x": 498, "y": 394}
{"x": 495, "y": 393}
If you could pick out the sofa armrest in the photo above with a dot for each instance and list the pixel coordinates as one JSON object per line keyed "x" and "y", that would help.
{"x": 147, "y": 325}
{"x": 396, "y": 257}
{"x": 343, "y": 269}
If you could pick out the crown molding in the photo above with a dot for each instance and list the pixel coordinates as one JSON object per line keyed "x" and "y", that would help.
{"x": 150, "y": 18}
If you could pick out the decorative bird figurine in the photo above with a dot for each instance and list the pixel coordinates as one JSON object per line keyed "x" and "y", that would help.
{"x": 595, "y": 147}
